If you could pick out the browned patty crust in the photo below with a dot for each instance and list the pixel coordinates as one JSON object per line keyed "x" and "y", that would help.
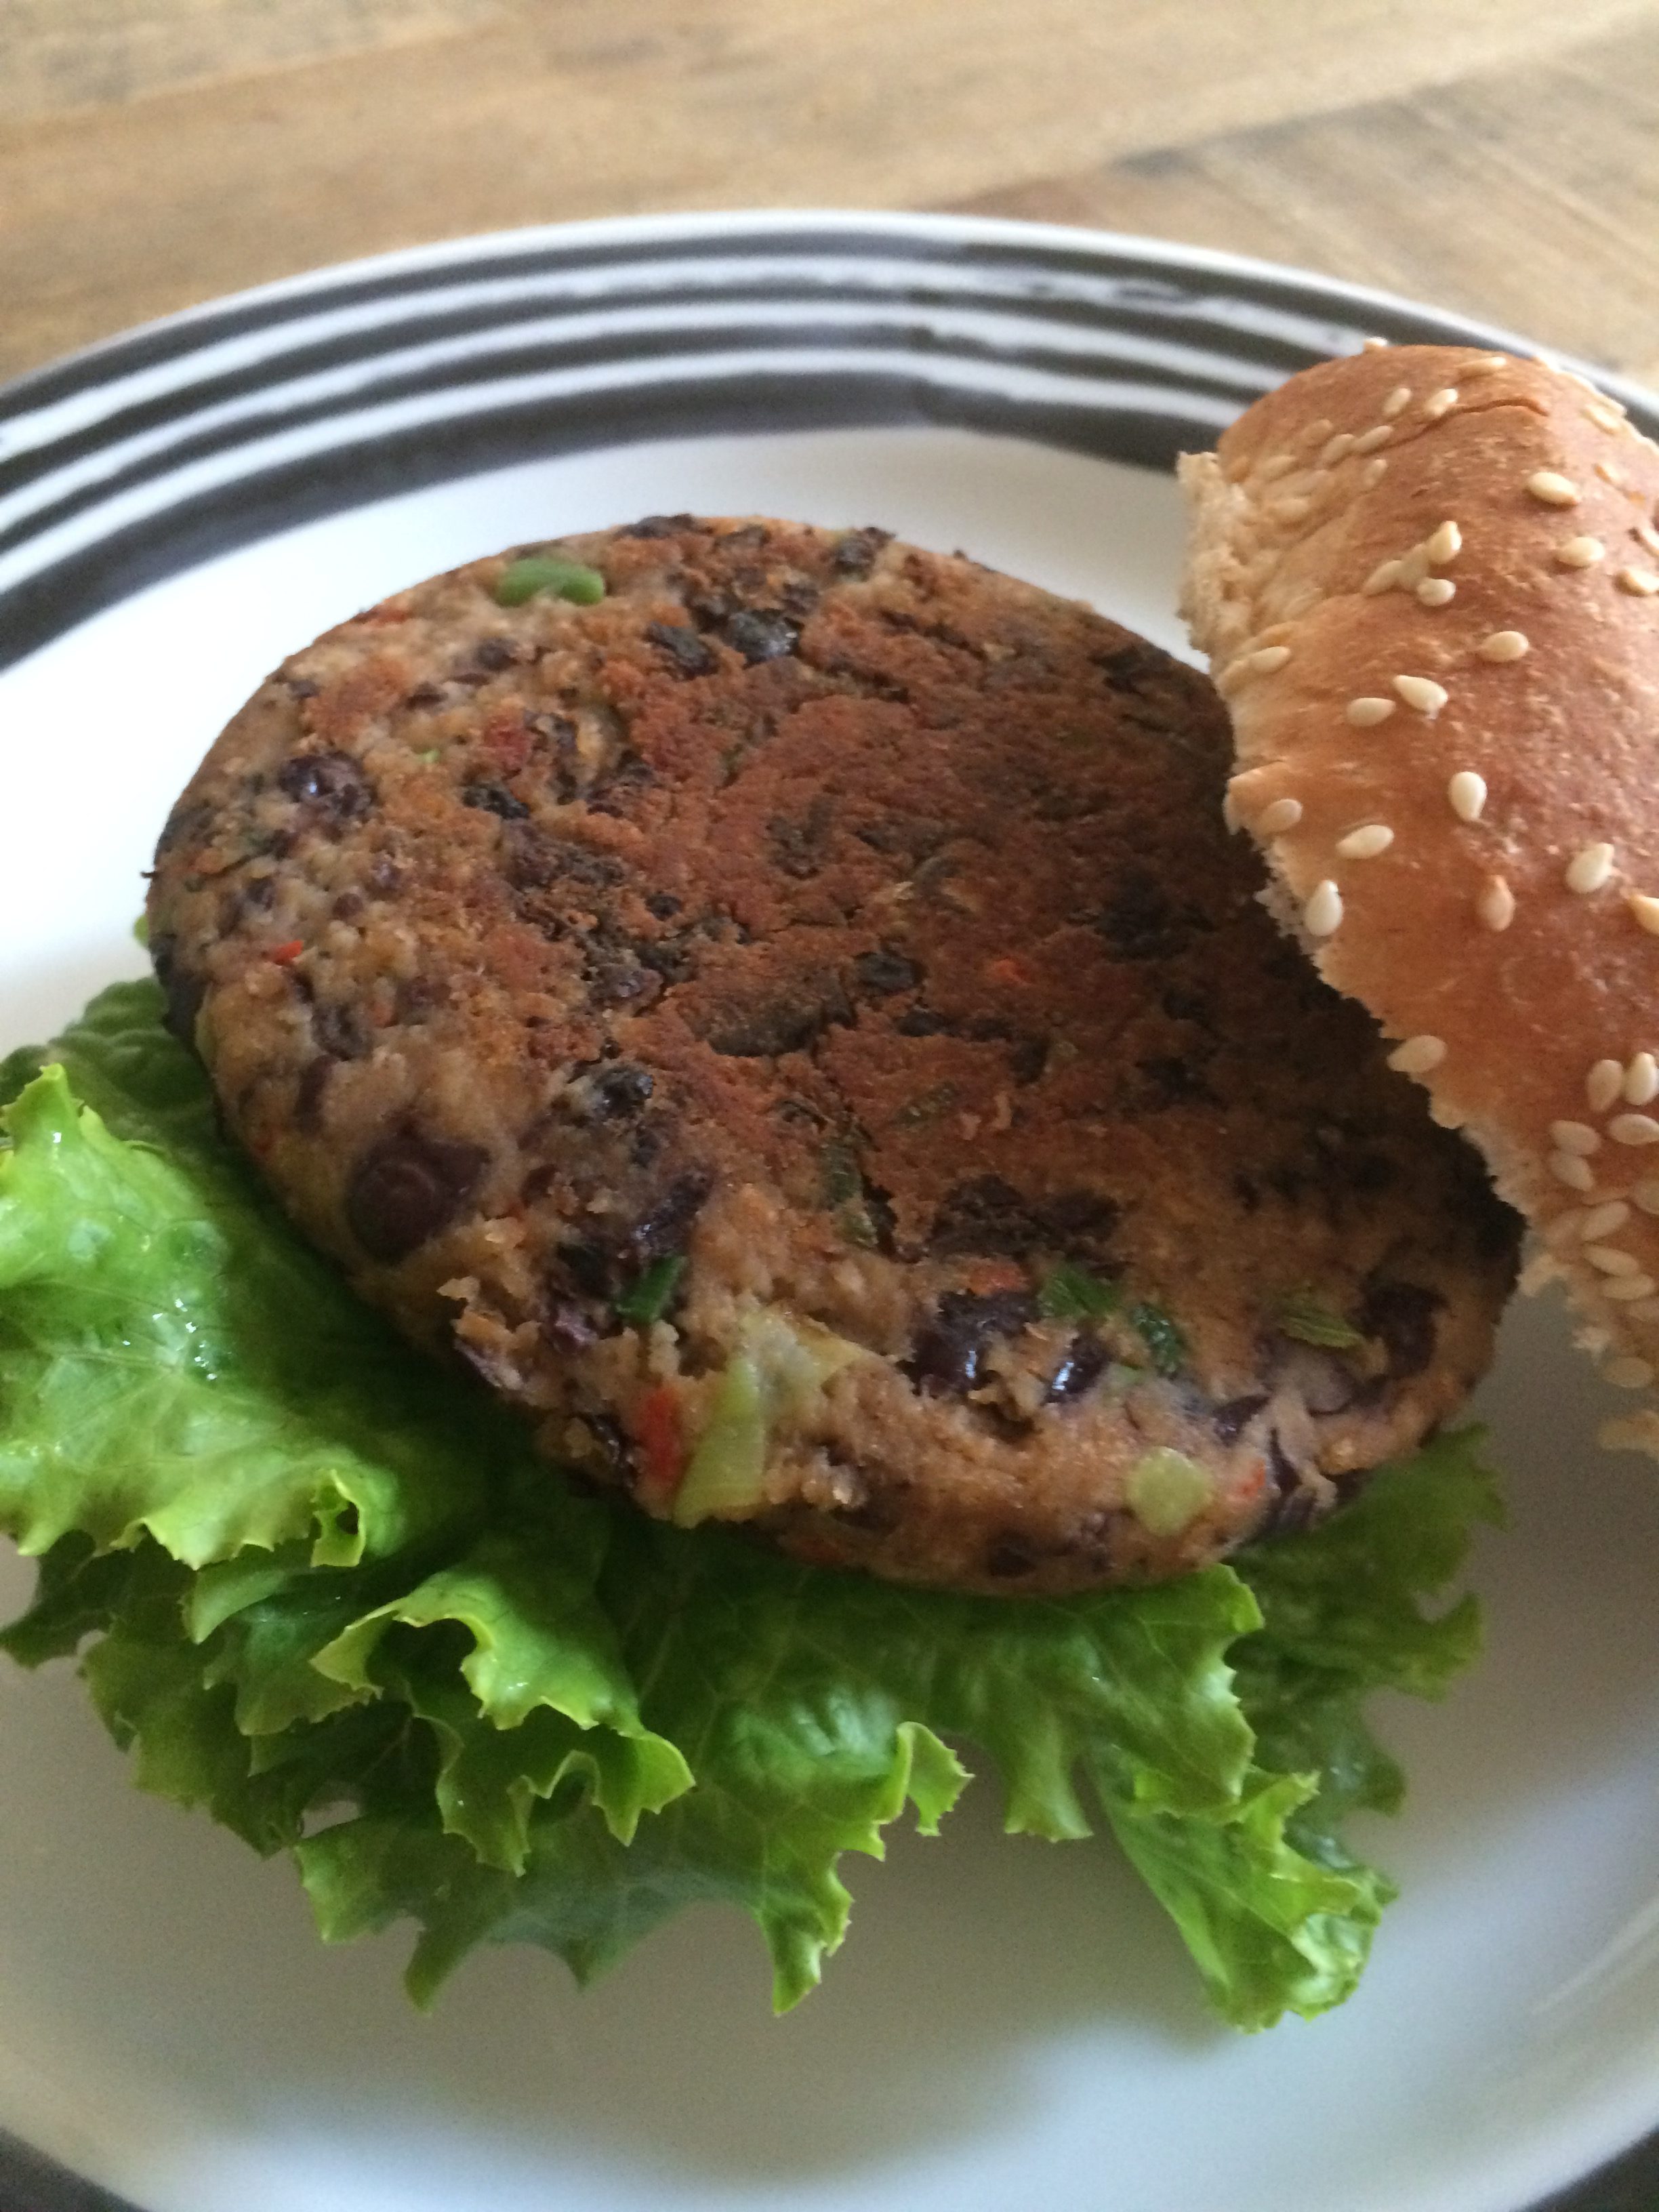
{"x": 798, "y": 1027}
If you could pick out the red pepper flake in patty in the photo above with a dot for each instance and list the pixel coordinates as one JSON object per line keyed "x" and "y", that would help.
{"x": 284, "y": 954}
{"x": 662, "y": 1445}
{"x": 506, "y": 740}
{"x": 1006, "y": 971}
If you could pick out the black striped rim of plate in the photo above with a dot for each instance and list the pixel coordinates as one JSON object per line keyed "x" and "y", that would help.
{"x": 141, "y": 456}
{"x": 137, "y": 459}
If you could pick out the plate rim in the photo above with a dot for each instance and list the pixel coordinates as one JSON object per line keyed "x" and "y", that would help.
{"x": 968, "y": 230}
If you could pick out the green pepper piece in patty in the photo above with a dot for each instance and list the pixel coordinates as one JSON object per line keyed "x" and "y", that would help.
{"x": 1161, "y": 1335}
{"x": 1310, "y": 1321}
{"x": 1072, "y": 1294}
{"x": 539, "y": 573}
{"x": 728, "y": 1468}
{"x": 649, "y": 1298}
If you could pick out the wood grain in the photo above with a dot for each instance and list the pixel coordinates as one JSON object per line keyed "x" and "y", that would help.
{"x": 1457, "y": 196}
{"x": 62, "y": 54}
{"x": 558, "y": 108}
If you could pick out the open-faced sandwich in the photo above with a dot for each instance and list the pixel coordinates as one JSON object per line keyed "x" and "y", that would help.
{"x": 852, "y": 1234}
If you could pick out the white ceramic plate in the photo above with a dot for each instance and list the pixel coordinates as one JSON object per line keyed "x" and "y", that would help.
{"x": 1012, "y": 2023}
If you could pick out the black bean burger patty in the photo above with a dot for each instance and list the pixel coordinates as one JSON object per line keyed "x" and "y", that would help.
{"x": 783, "y": 1006}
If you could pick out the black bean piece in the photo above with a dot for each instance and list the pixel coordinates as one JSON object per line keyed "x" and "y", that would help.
{"x": 183, "y": 989}
{"x": 660, "y": 525}
{"x": 557, "y": 730}
{"x": 921, "y": 1021}
{"x": 568, "y": 1328}
{"x": 1184, "y": 1006}
{"x": 494, "y": 798}
{"x": 763, "y": 633}
{"x": 1171, "y": 1080}
{"x": 1291, "y": 1513}
{"x": 1402, "y": 1315}
{"x": 710, "y": 606}
{"x": 988, "y": 1215}
{"x": 495, "y": 653}
{"x": 1080, "y": 1222}
{"x": 1281, "y": 1465}
{"x": 950, "y": 1351}
{"x": 877, "y": 1514}
{"x": 1132, "y": 663}
{"x": 663, "y": 1230}
{"x": 1295, "y": 1502}
{"x": 1009, "y": 1556}
{"x": 1027, "y": 1059}
{"x": 611, "y": 793}
{"x": 1371, "y": 1172}
{"x": 186, "y": 820}
{"x": 414, "y": 997}
{"x": 856, "y": 554}
{"x": 621, "y": 1090}
{"x": 904, "y": 838}
{"x": 1286, "y": 1180}
{"x": 407, "y": 1189}
{"x": 1229, "y": 1421}
{"x": 619, "y": 980}
{"x": 532, "y": 860}
{"x": 645, "y": 1149}
{"x": 799, "y": 1114}
{"x": 672, "y": 960}
{"x": 1085, "y": 1363}
{"x": 1142, "y": 922}
{"x": 985, "y": 1216}
{"x": 663, "y": 905}
{"x": 885, "y": 972}
{"x": 878, "y": 1207}
{"x": 302, "y": 687}
{"x": 308, "y": 1094}
{"x": 610, "y": 1435}
{"x": 339, "y": 1031}
{"x": 938, "y": 633}
{"x": 591, "y": 1266}
{"x": 684, "y": 649}
{"x": 781, "y": 1025}
{"x": 425, "y": 694}
{"x": 801, "y": 845}
{"x": 332, "y": 781}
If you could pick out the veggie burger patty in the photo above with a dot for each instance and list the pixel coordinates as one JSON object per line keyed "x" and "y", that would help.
{"x": 783, "y": 1006}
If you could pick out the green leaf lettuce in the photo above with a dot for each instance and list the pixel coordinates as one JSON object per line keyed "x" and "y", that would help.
{"x": 323, "y": 1588}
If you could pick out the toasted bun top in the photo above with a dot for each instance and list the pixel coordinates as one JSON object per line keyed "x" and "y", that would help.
{"x": 1428, "y": 581}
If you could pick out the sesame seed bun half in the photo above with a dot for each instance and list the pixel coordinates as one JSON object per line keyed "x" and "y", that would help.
{"x": 1427, "y": 580}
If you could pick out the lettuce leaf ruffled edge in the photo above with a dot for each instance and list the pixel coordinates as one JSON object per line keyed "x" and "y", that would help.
{"x": 325, "y": 1589}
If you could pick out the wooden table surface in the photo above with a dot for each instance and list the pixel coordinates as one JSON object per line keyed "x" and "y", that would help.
{"x": 1496, "y": 156}
{"x": 1499, "y": 156}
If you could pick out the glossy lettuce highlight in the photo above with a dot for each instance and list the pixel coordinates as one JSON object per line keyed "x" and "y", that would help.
{"x": 325, "y": 1589}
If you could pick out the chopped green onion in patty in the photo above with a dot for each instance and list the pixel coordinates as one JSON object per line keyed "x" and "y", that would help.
{"x": 541, "y": 573}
